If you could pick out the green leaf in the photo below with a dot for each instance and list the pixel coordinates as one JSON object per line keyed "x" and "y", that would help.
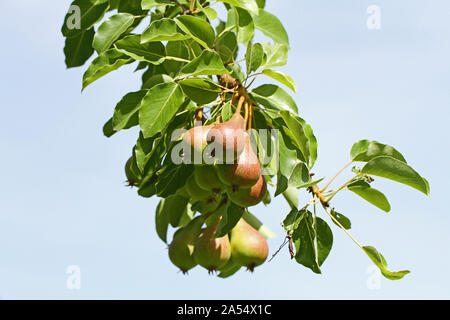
{"x": 396, "y": 170}
{"x": 298, "y": 133}
{"x": 210, "y": 13}
{"x": 163, "y": 30}
{"x": 234, "y": 214}
{"x": 155, "y": 80}
{"x": 91, "y": 12}
{"x": 153, "y": 52}
{"x": 254, "y": 57}
{"x": 78, "y": 49}
{"x": 243, "y": 22}
{"x": 201, "y": 91}
{"x": 209, "y": 63}
{"x": 176, "y": 49}
{"x": 366, "y": 150}
{"x": 287, "y": 162}
{"x": 276, "y": 55}
{"x": 371, "y": 195}
{"x": 110, "y": 30}
{"x": 159, "y": 106}
{"x": 282, "y": 78}
{"x": 108, "y": 130}
{"x": 313, "y": 240}
{"x": 300, "y": 176}
{"x": 105, "y": 63}
{"x": 134, "y": 7}
{"x": 230, "y": 269}
{"x": 271, "y": 27}
{"x": 381, "y": 263}
{"x": 126, "y": 113}
{"x": 173, "y": 179}
{"x": 227, "y": 46}
{"x": 343, "y": 220}
{"x": 292, "y": 220}
{"x": 249, "y": 5}
{"x": 173, "y": 207}
{"x": 149, "y": 4}
{"x": 273, "y": 97}
{"x": 227, "y": 111}
{"x": 162, "y": 221}
{"x": 200, "y": 30}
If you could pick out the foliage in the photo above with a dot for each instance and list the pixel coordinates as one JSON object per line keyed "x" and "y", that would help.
{"x": 191, "y": 71}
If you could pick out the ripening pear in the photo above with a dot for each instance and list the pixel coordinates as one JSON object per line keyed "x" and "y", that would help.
{"x": 195, "y": 142}
{"x": 248, "y": 197}
{"x": 246, "y": 170}
{"x": 212, "y": 253}
{"x": 248, "y": 247}
{"x": 230, "y": 136}
{"x": 182, "y": 247}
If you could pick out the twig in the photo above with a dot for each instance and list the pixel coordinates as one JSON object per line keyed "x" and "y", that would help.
{"x": 342, "y": 170}
{"x": 285, "y": 242}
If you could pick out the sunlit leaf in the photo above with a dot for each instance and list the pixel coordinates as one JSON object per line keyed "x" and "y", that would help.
{"x": 371, "y": 195}
{"x": 200, "y": 30}
{"x": 110, "y": 30}
{"x": 159, "y": 106}
{"x": 105, "y": 63}
{"x": 282, "y": 78}
{"x": 396, "y": 170}
{"x": 381, "y": 263}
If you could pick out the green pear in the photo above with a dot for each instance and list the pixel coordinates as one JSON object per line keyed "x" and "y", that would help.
{"x": 209, "y": 252}
{"x": 196, "y": 193}
{"x": 248, "y": 247}
{"x": 206, "y": 178}
{"x": 182, "y": 247}
{"x": 133, "y": 179}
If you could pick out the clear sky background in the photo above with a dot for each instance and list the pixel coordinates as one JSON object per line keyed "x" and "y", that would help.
{"x": 63, "y": 201}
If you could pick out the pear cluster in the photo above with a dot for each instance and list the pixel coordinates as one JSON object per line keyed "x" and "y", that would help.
{"x": 235, "y": 170}
{"x": 213, "y": 184}
{"x": 193, "y": 245}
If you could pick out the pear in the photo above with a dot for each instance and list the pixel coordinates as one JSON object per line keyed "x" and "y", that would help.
{"x": 248, "y": 247}
{"x": 206, "y": 178}
{"x": 133, "y": 179}
{"x": 230, "y": 137}
{"x": 248, "y": 197}
{"x": 182, "y": 247}
{"x": 209, "y": 252}
{"x": 246, "y": 170}
{"x": 195, "y": 142}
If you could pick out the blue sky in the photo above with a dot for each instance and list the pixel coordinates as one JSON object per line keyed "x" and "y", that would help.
{"x": 62, "y": 199}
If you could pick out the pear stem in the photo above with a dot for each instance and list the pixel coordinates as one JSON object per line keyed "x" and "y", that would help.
{"x": 246, "y": 115}
{"x": 250, "y": 117}
{"x": 199, "y": 114}
{"x": 235, "y": 97}
{"x": 239, "y": 106}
